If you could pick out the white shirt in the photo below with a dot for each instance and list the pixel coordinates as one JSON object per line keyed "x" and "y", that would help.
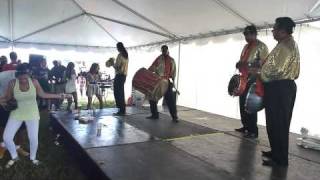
{"x": 71, "y": 84}
{"x": 5, "y": 78}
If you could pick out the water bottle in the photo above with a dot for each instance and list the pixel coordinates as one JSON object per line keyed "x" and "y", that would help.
{"x": 99, "y": 127}
{"x": 94, "y": 112}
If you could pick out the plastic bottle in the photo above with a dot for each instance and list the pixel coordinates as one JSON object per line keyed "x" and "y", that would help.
{"x": 99, "y": 127}
{"x": 94, "y": 112}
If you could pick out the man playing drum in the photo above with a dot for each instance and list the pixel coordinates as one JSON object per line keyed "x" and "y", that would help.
{"x": 252, "y": 51}
{"x": 165, "y": 67}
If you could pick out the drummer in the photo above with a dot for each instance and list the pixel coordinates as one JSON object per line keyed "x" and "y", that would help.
{"x": 165, "y": 67}
{"x": 253, "y": 52}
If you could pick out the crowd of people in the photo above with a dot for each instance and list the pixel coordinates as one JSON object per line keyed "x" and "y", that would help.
{"x": 276, "y": 72}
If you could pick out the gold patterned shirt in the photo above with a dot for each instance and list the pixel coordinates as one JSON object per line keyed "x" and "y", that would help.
{"x": 250, "y": 53}
{"x": 283, "y": 62}
{"x": 258, "y": 47}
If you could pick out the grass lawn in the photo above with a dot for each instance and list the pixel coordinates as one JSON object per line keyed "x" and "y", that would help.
{"x": 57, "y": 164}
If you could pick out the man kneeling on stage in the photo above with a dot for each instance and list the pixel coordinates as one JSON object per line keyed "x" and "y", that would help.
{"x": 165, "y": 67}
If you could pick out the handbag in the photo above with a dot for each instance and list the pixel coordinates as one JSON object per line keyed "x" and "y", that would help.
{"x": 11, "y": 105}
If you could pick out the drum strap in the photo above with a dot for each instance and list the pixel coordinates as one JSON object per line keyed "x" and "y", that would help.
{"x": 244, "y": 57}
{"x": 166, "y": 60}
{"x": 259, "y": 88}
{"x": 167, "y": 67}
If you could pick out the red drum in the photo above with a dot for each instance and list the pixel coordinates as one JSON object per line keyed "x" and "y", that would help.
{"x": 150, "y": 84}
{"x": 237, "y": 85}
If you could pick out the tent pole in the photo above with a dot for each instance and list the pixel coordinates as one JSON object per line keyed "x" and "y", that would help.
{"x": 65, "y": 45}
{"x": 179, "y": 58}
{"x": 315, "y": 6}
{"x": 132, "y": 25}
{"x": 106, "y": 31}
{"x": 232, "y": 11}
{"x": 97, "y": 23}
{"x": 219, "y": 33}
{"x": 4, "y": 38}
{"x": 50, "y": 26}
{"x": 11, "y": 22}
{"x": 144, "y": 17}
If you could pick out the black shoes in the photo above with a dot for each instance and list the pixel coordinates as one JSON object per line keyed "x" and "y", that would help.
{"x": 273, "y": 163}
{"x": 152, "y": 117}
{"x": 251, "y": 135}
{"x": 246, "y": 133}
{"x": 175, "y": 119}
{"x": 242, "y": 130}
{"x": 267, "y": 154}
{"x": 270, "y": 162}
{"x": 119, "y": 114}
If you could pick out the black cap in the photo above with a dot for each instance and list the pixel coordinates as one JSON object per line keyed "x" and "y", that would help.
{"x": 250, "y": 30}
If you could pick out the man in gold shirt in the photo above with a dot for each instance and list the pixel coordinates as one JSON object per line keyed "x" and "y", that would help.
{"x": 252, "y": 54}
{"x": 281, "y": 68}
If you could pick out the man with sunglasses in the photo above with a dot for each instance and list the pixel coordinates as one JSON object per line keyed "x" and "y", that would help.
{"x": 278, "y": 73}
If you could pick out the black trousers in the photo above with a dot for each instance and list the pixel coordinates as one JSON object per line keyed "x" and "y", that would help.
{"x": 249, "y": 121}
{"x": 118, "y": 90}
{"x": 279, "y": 102}
{"x": 170, "y": 101}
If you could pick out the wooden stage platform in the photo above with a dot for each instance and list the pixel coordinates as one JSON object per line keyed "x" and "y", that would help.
{"x": 202, "y": 146}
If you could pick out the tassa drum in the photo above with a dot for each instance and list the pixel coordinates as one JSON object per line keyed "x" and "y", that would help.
{"x": 150, "y": 84}
{"x": 237, "y": 85}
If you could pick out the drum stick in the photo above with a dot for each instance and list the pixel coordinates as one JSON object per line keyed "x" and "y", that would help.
{"x": 174, "y": 86}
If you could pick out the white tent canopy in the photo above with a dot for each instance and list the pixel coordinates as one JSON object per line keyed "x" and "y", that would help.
{"x": 101, "y": 23}
{"x": 205, "y": 41}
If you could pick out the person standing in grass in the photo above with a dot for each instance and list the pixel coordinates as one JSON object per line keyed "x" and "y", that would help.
{"x": 24, "y": 90}
{"x": 13, "y": 64}
{"x": 8, "y": 71}
{"x": 92, "y": 79}
{"x": 71, "y": 76}
{"x": 59, "y": 84}
{"x": 41, "y": 73}
{"x": 5, "y": 77}
{"x": 3, "y": 61}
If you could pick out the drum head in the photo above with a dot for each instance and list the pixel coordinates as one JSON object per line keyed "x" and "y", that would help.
{"x": 159, "y": 90}
{"x": 254, "y": 102}
{"x": 233, "y": 84}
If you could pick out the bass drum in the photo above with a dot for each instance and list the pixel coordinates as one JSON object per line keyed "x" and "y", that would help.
{"x": 254, "y": 102}
{"x": 150, "y": 84}
{"x": 237, "y": 85}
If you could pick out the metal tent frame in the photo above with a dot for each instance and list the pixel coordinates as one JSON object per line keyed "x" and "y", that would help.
{"x": 171, "y": 37}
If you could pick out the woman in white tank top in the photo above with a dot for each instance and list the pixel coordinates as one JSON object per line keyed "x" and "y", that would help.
{"x": 70, "y": 76}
